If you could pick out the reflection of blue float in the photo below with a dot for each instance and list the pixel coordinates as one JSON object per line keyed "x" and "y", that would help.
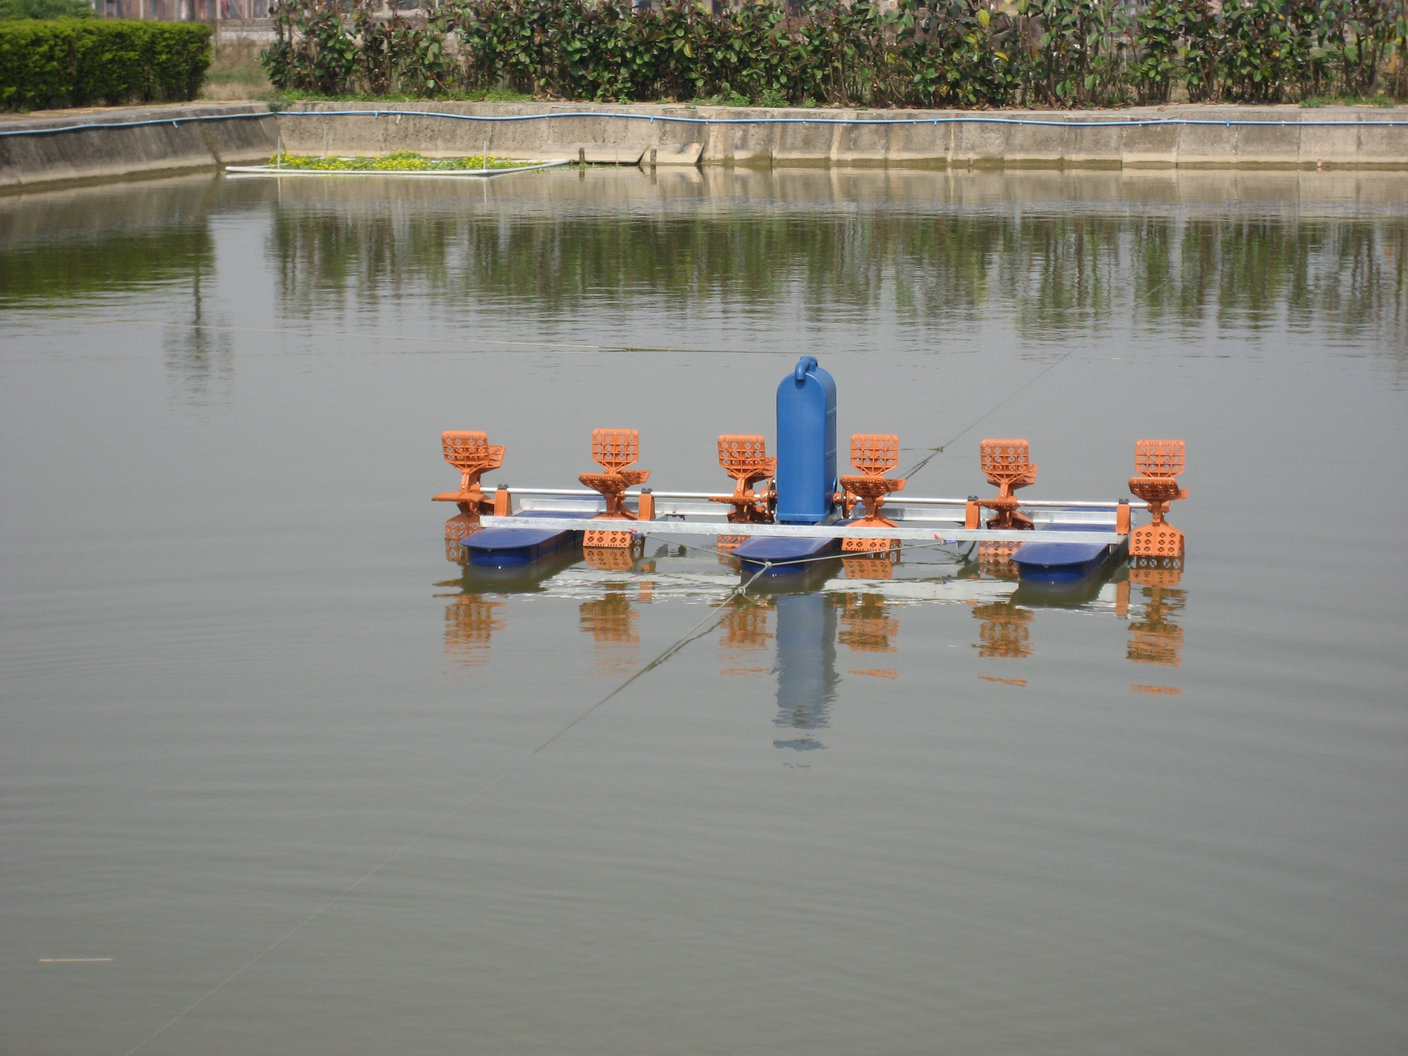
{"x": 789, "y": 514}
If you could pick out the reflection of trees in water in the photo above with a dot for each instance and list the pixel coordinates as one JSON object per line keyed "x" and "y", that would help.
{"x": 1061, "y": 271}
{"x": 127, "y": 261}
{"x": 199, "y": 347}
{"x": 165, "y": 274}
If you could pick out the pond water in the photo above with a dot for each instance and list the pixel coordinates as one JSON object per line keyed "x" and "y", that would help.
{"x": 281, "y": 777}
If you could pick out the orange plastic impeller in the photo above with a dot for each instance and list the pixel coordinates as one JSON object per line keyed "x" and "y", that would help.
{"x": 1158, "y": 464}
{"x": 614, "y": 450}
{"x": 873, "y": 455}
{"x": 745, "y": 459}
{"x": 1008, "y": 466}
{"x": 471, "y": 453}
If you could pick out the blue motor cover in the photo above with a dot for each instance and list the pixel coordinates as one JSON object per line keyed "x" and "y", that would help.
{"x": 806, "y": 444}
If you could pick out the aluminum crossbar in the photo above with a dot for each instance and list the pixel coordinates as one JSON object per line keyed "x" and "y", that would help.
{"x": 897, "y": 500}
{"x": 809, "y": 531}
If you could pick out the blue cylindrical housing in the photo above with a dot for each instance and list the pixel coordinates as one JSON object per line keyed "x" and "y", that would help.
{"x": 806, "y": 444}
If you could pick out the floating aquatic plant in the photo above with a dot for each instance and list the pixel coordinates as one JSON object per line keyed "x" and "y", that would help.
{"x": 397, "y": 161}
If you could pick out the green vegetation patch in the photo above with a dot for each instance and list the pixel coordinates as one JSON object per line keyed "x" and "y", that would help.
{"x": 851, "y": 53}
{"x": 398, "y": 161}
{"x": 46, "y": 9}
{"x": 85, "y": 62}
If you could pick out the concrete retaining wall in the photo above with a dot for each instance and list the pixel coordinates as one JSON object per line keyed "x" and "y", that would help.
{"x": 109, "y": 144}
{"x": 92, "y": 145}
{"x": 1191, "y": 136}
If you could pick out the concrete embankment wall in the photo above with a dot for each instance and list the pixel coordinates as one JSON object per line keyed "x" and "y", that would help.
{"x": 1191, "y": 136}
{"x": 96, "y": 145}
{"x": 84, "y": 146}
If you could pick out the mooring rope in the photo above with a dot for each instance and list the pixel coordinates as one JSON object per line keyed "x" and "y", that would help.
{"x": 694, "y": 633}
{"x": 1009, "y": 397}
{"x": 978, "y": 420}
{"x": 697, "y": 631}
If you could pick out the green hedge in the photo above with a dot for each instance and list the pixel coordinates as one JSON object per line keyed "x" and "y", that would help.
{"x": 83, "y": 62}
{"x": 914, "y": 53}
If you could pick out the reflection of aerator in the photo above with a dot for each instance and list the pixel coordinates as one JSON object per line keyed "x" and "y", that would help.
{"x": 806, "y": 664}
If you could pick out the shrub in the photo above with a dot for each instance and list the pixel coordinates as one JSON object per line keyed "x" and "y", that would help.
{"x": 966, "y": 53}
{"x": 73, "y": 62}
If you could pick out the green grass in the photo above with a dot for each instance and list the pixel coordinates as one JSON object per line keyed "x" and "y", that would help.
{"x": 1317, "y": 101}
{"x": 236, "y": 74}
{"x": 488, "y": 95}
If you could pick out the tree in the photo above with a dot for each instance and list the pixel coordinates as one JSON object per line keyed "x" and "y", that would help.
{"x": 46, "y": 9}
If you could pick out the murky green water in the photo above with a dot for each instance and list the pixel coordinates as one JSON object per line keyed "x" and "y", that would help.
{"x": 279, "y": 777}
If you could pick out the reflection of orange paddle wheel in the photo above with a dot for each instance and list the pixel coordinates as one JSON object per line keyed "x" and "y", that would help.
{"x": 1005, "y": 633}
{"x": 725, "y": 545}
{"x": 745, "y": 626}
{"x": 866, "y": 624}
{"x": 1155, "y": 644}
{"x": 746, "y": 630}
{"x": 1018, "y": 682}
{"x": 1156, "y": 639}
{"x": 995, "y": 559}
{"x": 871, "y": 566}
{"x": 645, "y": 588}
{"x": 470, "y": 623}
{"x": 610, "y": 557}
{"x": 611, "y": 621}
